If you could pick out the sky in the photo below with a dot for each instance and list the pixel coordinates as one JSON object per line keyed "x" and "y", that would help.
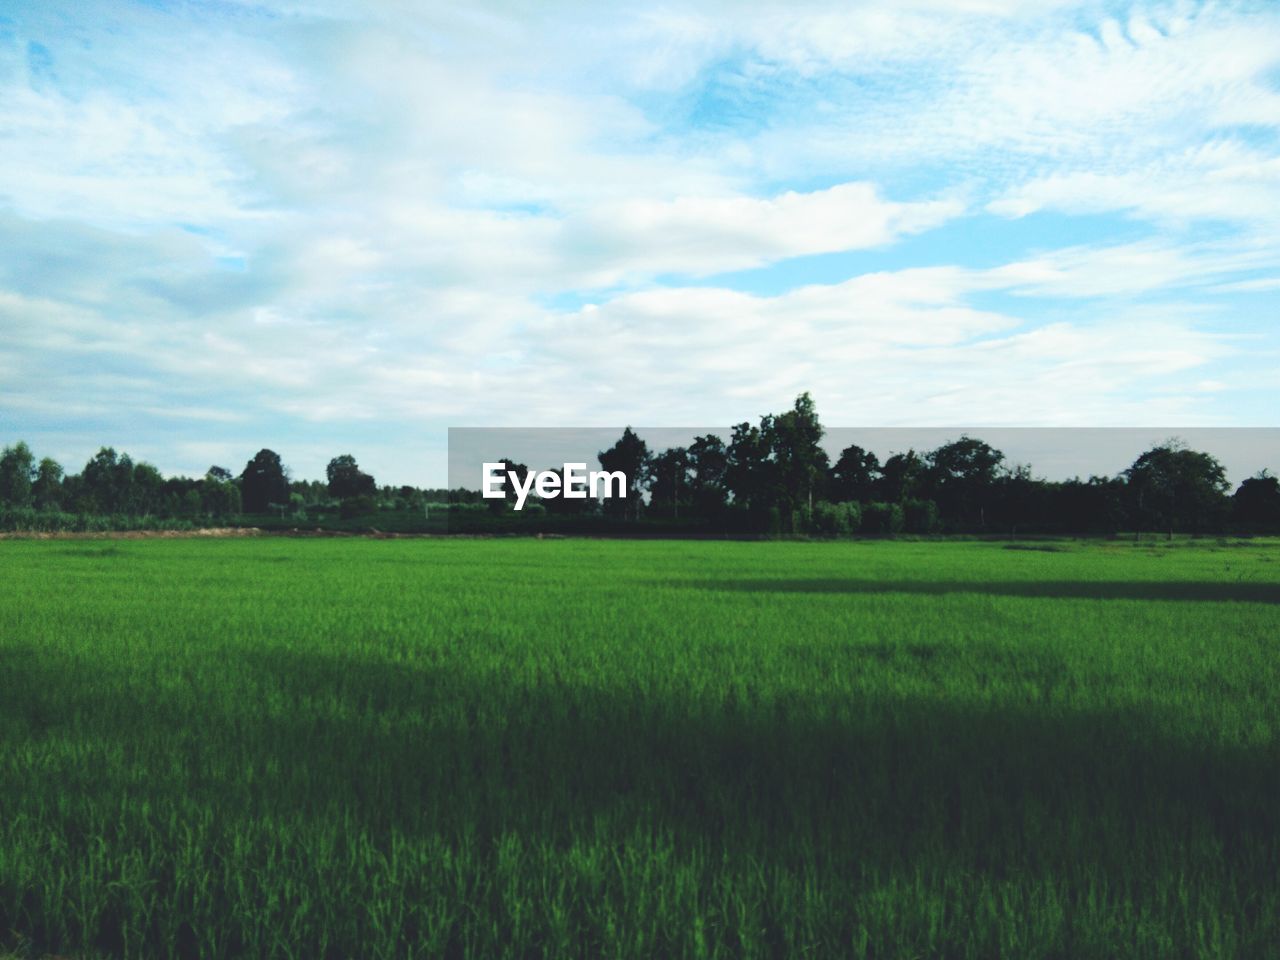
{"x": 334, "y": 228}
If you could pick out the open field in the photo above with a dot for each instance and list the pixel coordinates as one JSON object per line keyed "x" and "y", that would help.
{"x": 357, "y": 748}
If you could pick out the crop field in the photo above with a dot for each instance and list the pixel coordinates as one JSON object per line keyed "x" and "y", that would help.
{"x": 331, "y": 748}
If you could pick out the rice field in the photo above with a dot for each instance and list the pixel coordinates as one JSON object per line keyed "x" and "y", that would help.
{"x": 350, "y": 748}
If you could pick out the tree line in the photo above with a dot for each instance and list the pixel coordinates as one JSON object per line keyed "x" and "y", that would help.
{"x": 115, "y": 491}
{"x": 775, "y": 476}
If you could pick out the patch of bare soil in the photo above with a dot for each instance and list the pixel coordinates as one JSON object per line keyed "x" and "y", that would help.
{"x": 131, "y": 534}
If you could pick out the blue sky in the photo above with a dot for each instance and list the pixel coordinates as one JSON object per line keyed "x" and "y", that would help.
{"x": 329, "y": 228}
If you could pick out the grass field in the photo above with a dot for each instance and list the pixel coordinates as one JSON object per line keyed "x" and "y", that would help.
{"x": 516, "y": 748}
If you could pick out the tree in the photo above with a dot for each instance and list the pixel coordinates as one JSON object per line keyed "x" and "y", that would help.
{"x": 263, "y": 482}
{"x": 220, "y": 474}
{"x": 630, "y": 455}
{"x": 748, "y": 471}
{"x": 708, "y": 461}
{"x": 346, "y": 480}
{"x": 16, "y": 474}
{"x": 108, "y": 481}
{"x": 512, "y": 472}
{"x": 1174, "y": 488}
{"x": 1019, "y": 500}
{"x": 562, "y": 505}
{"x": 219, "y": 498}
{"x": 854, "y": 475}
{"x": 901, "y": 477}
{"x": 1255, "y": 506}
{"x": 670, "y": 486}
{"x": 962, "y": 475}
{"x": 145, "y": 490}
{"x": 1098, "y": 505}
{"x": 47, "y": 490}
{"x": 794, "y": 440}
{"x": 191, "y": 503}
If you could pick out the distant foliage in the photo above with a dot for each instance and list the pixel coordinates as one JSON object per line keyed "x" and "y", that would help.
{"x": 29, "y": 520}
{"x": 770, "y": 478}
{"x": 263, "y": 482}
{"x": 921, "y": 516}
{"x": 833, "y": 519}
{"x": 882, "y": 519}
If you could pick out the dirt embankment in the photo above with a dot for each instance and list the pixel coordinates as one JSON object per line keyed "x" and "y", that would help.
{"x": 130, "y": 534}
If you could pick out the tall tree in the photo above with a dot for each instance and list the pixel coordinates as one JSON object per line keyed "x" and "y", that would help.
{"x": 569, "y": 506}
{"x": 1175, "y": 488}
{"x": 1256, "y": 503}
{"x": 346, "y": 479}
{"x": 670, "y": 489}
{"x": 146, "y": 490}
{"x": 108, "y": 480}
{"x": 219, "y": 498}
{"x": 902, "y": 476}
{"x": 16, "y": 473}
{"x": 47, "y": 489}
{"x": 263, "y": 482}
{"x": 708, "y": 460}
{"x": 630, "y": 455}
{"x": 513, "y": 472}
{"x": 854, "y": 474}
{"x": 962, "y": 475}
{"x": 795, "y": 443}
{"x": 749, "y": 470}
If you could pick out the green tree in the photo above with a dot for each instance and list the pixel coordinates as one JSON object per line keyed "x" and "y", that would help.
{"x": 853, "y": 476}
{"x": 146, "y": 490}
{"x": 962, "y": 476}
{"x": 749, "y": 470}
{"x": 901, "y": 477}
{"x": 1255, "y": 505}
{"x": 512, "y": 472}
{"x": 263, "y": 482}
{"x": 708, "y": 460}
{"x": 47, "y": 490}
{"x": 794, "y": 440}
{"x": 630, "y": 455}
{"x": 108, "y": 481}
{"x": 346, "y": 480}
{"x": 16, "y": 474}
{"x": 670, "y": 488}
{"x": 219, "y": 498}
{"x": 1173, "y": 488}
{"x": 191, "y": 503}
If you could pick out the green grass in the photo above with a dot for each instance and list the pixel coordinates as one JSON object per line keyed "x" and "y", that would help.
{"x": 517, "y": 748}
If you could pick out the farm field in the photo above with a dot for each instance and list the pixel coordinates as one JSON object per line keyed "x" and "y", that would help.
{"x": 331, "y": 748}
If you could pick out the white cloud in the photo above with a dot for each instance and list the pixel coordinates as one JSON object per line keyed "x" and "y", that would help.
{"x": 1223, "y": 180}
{"x": 1149, "y": 266}
{"x": 703, "y": 235}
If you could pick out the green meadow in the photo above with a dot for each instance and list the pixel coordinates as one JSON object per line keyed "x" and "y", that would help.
{"x": 333, "y": 748}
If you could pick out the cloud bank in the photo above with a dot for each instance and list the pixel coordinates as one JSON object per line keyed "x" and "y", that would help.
{"x": 333, "y": 228}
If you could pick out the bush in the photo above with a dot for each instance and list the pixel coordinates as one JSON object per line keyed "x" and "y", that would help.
{"x": 360, "y": 506}
{"x": 28, "y": 520}
{"x": 921, "y": 516}
{"x": 773, "y": 523}
{"x": 834, "y": 519}
{"x": 882, "y": 519}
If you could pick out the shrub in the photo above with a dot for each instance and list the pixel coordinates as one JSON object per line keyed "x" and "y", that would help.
{"x": 360, "y": 506}
{"x": 834, "y": 519}
{"x": 882, "y": 519}
{"x": 921, "y": 516}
